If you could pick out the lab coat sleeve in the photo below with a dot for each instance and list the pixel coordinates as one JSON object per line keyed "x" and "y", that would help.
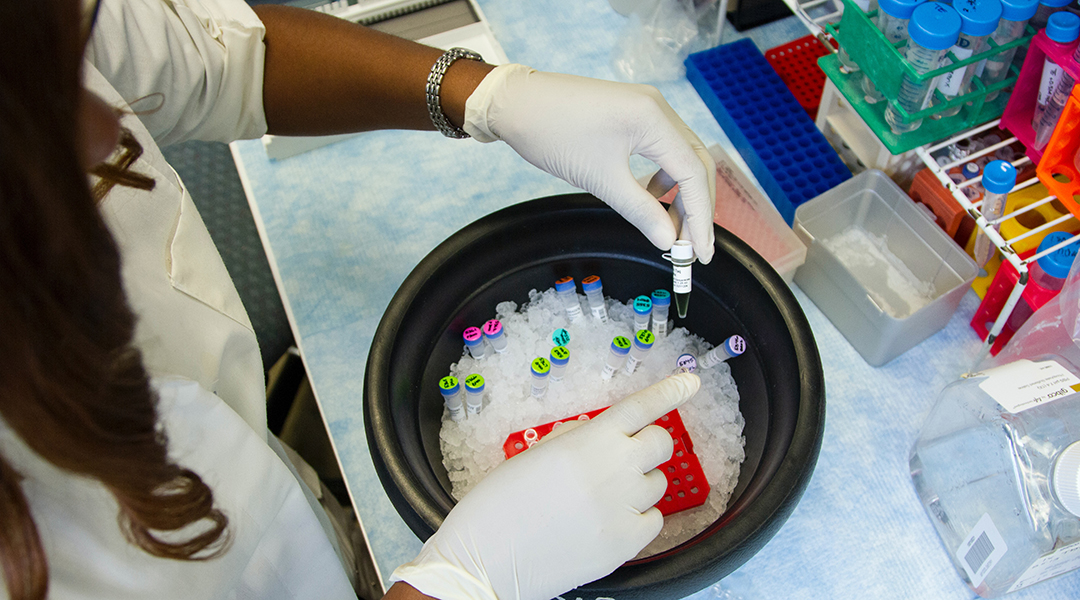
{"x": 191, "y": 69}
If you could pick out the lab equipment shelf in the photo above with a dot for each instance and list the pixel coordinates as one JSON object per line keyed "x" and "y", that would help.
{"x": 779, "y": 142}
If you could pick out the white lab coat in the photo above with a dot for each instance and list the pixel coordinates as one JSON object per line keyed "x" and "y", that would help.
{"x": 199, "y": 63}
{"x": 278, "y": 550}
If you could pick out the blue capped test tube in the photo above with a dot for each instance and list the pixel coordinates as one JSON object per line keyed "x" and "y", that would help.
{"x": 567, "y": 290}
{"x": 594, "y": 292}
{"x": 641, "y": 344}
{"x": 452, "y": 397}
{"x": 474, "y": 341}
{"x": 686, "y": 363}
{"x": 474, "y": 393}
{"x": 732, "y": 347}
{"x": 620, "y": 347}
{"x": 642, "y": 311}
{"x": 560, "y": 358}
{"x": 540, "y": 369}
{"x": 661, "y": 304}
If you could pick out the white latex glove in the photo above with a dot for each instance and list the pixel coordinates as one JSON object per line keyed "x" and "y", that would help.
{"x": 563, "y": 513}
{"x": 585, "y": 130}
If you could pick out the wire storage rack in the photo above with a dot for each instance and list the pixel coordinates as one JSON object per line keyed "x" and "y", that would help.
{"x": 945, "y": 157}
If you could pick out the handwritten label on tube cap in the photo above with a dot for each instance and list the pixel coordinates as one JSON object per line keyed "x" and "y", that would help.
{"x": 561, "y": 337}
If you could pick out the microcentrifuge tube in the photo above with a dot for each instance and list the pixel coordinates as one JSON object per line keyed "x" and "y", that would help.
{"x": 733, "y": 346}
{"x": 451, "y": 393}
{"x": 474, "y": 393}
{"x": 567, "y": 290}
{"x": 620, "y": 347}
{"x": 681, "y": 257}
{"x": 493, "y": 332}
{"x": 474, "y": 341}
{"x": 594, "y": 292}
{"x": 561, "y": 337}
{"x": 643, "y": 342}
{"x": 560, "y": 357}
{"x": 642, "y": 311}
{"x": 540, "y": 369}
{"x": 686, "y": 363}
{"x": 661, "y": 303}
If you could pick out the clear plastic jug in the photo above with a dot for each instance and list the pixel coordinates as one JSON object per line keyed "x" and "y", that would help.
{"x": 997, "y": 468}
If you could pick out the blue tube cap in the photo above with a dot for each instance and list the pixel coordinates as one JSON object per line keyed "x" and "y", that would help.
{"x": 591, "y": 283}
{"x": 978, "y": 17}
{"x": 1058, "y": 262}
{"x": 661, "y": 298}
{"x": 1063, "y": 27}
{"x": 934, "y": 25}
{"x": 1055, "y": 3}
{"x": 999, "y": 177}
{"x": 901, "y": 9}
{"x": 642, "y": 305}
{"x": 565, "y": 284}
{"x": 1018, "y": 10}
{"x": 560, "y": 355}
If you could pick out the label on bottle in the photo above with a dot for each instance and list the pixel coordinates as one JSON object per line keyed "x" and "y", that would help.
{"x": 599, "y": 312}
{"x": 981, "y": 550}
{"x": 680, "y": 283}
{"x": 1050, "y": 75}
{"x": 1025, "y": 384}
{"x": 949, "y": 83}
{"x": 1062, "y": 560}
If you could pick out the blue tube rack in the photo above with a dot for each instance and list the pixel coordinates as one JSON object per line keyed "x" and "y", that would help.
{"x": 783, "y": 148}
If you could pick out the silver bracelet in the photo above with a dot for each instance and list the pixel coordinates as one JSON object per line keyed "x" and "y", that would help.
{"x": 434, "y": 84}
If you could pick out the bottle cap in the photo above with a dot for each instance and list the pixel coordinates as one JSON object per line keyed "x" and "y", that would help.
{"x": 591, "y": 283}
{"x": 686, "y": 361}
{"x": 1055, "y": 3}
{"x": 735, "y": 345}
{"x": 978, "y": 17}
{"x": 644, "y": 339}
{"x": 901, "y": 9}
{"x": 661, "y": 298}
{"x": 970, "y": 170}
{"x": 565, "y": 284}
{"x": 560, "y": 355}
{"x": 682, "y": 250}
{"x": 1018, "y": 10}
{"x": 620, "y": 345}
{"x": 1063, "y": 27}
{"x": 999, "y": 177}
{"x": 561, "y": 337}
{"x": 493, "y": 328}
{"x": 642, "y": 305}
{"x": 448, "y": 386}
{"x": 473, "y": 336}
{"x": 934, "y": 25}
{"x": 1058, "y": 262}
{"x": 474, "y": 383}
{"x": 540, "y": 366}
{"x": 1066, "y": 478}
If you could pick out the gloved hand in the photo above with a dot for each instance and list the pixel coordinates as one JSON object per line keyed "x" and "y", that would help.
{"x": 585, "y": 130}
{"x": 565, "y": 512}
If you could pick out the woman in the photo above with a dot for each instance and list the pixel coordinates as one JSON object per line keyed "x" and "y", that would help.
{"x": 136, "y": 461}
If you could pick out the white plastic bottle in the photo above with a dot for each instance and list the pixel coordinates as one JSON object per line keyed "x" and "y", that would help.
{"x": 997, "y": 468}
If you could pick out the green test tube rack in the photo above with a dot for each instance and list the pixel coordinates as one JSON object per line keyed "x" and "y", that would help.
{"x": 882, "y": 62}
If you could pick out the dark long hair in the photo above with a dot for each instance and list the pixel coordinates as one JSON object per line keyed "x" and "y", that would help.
{"x": 72, "y": 386}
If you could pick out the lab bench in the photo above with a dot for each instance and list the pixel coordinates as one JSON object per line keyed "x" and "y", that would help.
{"x": 344, "y": 224}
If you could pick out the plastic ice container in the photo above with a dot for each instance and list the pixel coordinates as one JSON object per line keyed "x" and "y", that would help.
{"x": 872, "y": 202}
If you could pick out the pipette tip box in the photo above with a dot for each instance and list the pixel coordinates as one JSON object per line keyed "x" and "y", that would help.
{"x": 779, "y": 142}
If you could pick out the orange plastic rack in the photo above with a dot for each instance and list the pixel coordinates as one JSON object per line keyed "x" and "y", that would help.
{"x": 1057, "y": 169}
